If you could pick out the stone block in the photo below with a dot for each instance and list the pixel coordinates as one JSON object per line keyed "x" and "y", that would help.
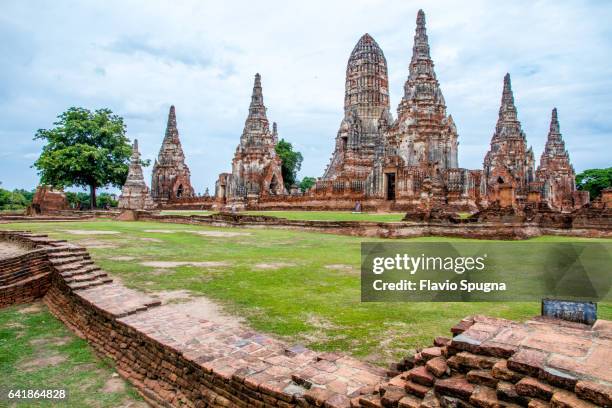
{"x": 421, "y": 375}
{"x": 531, "y": 387}
{"x": 437, "y": 366}
{"x": 482, "y": 377}
{"x": 455, "y": 387}
{"x": 597, "y": 393}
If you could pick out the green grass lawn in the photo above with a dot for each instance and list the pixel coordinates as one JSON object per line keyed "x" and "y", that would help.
{"x": 300, "y": 286}
{"x": 38, "y": 352}
{"x": 310, "y": 215}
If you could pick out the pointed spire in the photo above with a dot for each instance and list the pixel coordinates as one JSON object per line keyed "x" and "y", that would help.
{"x": 171, "y": 151}
{"x": 554, "y": 142}
{"x": 507, "y": 95}
{"x": 421, "y": 42}
{"x": 171, "y": 129}
{"x": 257, "y": 108}
{"x": 554, "y": 124}
{"x": 274, "y": 133}
{"x": 135, "y": 159}
{"x": 134, "y": 176}
{"x": 507, "y": 121}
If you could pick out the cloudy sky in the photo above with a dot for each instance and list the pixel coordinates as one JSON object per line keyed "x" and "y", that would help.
{"x": 139, "y": 57}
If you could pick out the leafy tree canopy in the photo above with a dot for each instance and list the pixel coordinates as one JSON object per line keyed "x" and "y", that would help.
{"x": 292, "y": 162}
{"x": 306, "y": 183}
{"x": 85, "y": 149}
{"x": 594, "y": 180}
{"x": 17, "y": 199}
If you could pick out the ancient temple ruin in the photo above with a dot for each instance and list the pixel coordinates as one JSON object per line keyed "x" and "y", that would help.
{"x": 366, "y": 107}
{"x": 171, "y": 178}
{"x": 509, "y": 164}
{"x": 135, "y": 193}
{"x": 419, "y": 165}
{"x": 256, "y": 168}
{"x": 409, "y": 163}
{"x": 556, "y": 174}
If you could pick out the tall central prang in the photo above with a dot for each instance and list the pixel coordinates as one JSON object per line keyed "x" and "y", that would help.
{"x": 366, "y": 101}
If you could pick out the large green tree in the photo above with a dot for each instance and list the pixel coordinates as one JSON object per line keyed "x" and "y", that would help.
{"x": 292, "y": 162}
{"x": 85, "y": 149}
{"x": 594, "y": 180}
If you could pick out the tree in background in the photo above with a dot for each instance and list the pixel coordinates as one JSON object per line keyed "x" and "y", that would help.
{"x": 14, "y": 200}
{"x": 85, "y": 149}
{"x": 306, "y": 183}
{"x": 594, "y": 180}
{"x": 292, "y": 162}
{"x": 82, "y": 200}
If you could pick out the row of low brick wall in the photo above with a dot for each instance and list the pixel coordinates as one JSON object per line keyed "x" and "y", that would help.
{"x": 25, "y": 277}
{"x": 486, "y": 230}
{"x": 175, "y": 359}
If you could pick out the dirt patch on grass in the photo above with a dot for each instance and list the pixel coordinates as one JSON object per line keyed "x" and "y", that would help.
{"x": 54, "y": 341}
{"x": 174, "y": 264}
{"x": 172, "y": 296}
{"x": 94, "y": 243}
{"x": 9, "y": 250}
{"x": 42, "y": 361}
{"x": 90, "y": 232}
{"x": 341, "y": 268}
{"x": 205, "y": 309}
{"x": 151, "y": 240}
{"x": 33, "y": 308}
{"x": 14, "y": 325}
{"x": 134, "y": 404}
{"x": 320, "y": 322}
{"x": 220, "y": 234}
{"x": 114, "y": 384}
{"x": 121, "y": 258}
{"x": 273, "y": 265}
{"x": 161, "y": 231}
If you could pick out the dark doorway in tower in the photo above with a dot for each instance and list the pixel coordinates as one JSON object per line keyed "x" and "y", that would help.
{"x": 273, "y": 184}
{"x": 500, "y": 180}
{"x": 179, "y": 191}
{"x": 344, "y": 142}
{"x": 390, "y": 186}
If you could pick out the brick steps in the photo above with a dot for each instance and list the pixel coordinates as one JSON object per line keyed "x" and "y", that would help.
{"x": 78, "y": 268}
{"x": 86, "y": 277}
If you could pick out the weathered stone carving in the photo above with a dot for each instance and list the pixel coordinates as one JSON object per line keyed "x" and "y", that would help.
{"x": 256, "y": 168}
{"x": 171, "y": 177}
{"x": 135, "y": 193}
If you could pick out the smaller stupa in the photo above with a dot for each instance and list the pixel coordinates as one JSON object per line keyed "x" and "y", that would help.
{"x": 135, "y": 193}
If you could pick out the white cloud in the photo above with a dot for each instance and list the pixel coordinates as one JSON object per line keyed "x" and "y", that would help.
{"x": 138, "y": 57}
